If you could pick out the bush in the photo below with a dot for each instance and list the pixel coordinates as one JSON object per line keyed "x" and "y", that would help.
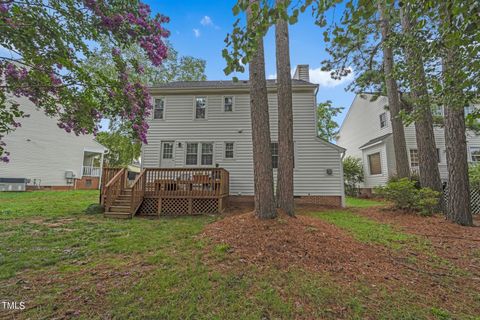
{"x": 94, "y": 208}
{"x": 352, "y": 174}
{"x": 474, "y": 176}
{"x": 405, "y": 195}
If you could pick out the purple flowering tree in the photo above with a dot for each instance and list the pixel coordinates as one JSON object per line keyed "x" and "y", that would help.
{"x": 43, "y": 46}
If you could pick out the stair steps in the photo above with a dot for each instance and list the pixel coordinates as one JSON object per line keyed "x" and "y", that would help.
{"x": 120, "y": 208}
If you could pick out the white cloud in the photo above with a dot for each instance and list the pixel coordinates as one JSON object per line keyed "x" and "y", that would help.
{"x": 196, "y": 32}
{"x": 206, "y": 21}
{"x": 324, "y": 79}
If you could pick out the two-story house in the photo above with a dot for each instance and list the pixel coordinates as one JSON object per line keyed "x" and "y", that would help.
{"x": 208, "y": 124}
{"x": 366, "y": 133}
{"x": 43, "y": 156}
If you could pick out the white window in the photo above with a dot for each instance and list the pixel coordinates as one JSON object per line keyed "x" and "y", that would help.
{"x": 228, "y": 104}
{"x": 159, "y": 108}
{"x": 167, "y": 150}
{"x": 207, "y": 154}
{"x": 194, "y": 157}
{"x": 375, "y": 163}
{"x": 274, "y": 148}
{"x": 475, "y": 154}
{"x": 229, "y": 150}
{"x": 192, "y": 154}
{"x": 414, "y": 158}
{"x": 383, "y": 120}
{"x": 200, "y": 107}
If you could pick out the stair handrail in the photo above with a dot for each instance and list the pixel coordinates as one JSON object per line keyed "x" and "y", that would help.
{"x": 138, "y": 191}
{"x": 114, "y": 188}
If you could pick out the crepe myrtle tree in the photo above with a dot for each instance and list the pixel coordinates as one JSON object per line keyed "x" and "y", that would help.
{"x": 42, "y": 46}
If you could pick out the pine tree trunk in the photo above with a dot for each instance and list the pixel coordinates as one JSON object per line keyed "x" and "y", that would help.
{"x": 458, "y": 206}
{"x": 285, "y": 198}
{"x": 399, "y": 144}
{"x": 427, "y": 150}
{"x": 262, "y": 154}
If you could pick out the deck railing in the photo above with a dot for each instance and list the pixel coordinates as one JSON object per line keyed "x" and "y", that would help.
{"x": 186, "y": 182}
{"x": 138, "y": 191}
{"x": 89, "y": 171}
{"x": 114, "y": 188}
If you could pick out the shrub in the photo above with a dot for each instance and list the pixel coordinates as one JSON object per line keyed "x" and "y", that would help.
{"x": 474, "y": 175}
{"x": 94, "y": 208}
{"x": 405, "y": 195}
{"x": 352, "y": 174}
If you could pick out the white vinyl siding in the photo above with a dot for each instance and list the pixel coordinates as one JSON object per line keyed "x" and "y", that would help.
{"x": 41, "y": 151}
{"x": 313, "y": 156}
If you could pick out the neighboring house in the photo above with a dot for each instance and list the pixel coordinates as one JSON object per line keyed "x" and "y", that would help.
{"x": 207, "y": 124}
{"x": 366, "y": 133}
{"x": 48, "y": 156}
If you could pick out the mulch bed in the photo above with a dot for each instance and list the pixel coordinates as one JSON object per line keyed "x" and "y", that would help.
{"x": 313, "y": 245}
{"x": 460, "y": 245}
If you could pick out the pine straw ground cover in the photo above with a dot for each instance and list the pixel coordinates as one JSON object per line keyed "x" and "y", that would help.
{"x": 366, "y": 263}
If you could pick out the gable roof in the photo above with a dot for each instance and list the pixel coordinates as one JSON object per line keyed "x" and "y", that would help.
{"x": 375, "y": 140}
{"x": 225, "y": 84}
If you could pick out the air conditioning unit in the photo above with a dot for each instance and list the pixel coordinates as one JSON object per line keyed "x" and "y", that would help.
{"x": 13, "y": 184}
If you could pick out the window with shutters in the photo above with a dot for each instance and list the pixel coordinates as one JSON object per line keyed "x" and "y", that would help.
{"x": 374, "y": 163}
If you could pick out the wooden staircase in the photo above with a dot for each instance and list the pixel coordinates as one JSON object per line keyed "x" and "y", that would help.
{"x": 119, "y": 200}
{"x": 120, "y": 207}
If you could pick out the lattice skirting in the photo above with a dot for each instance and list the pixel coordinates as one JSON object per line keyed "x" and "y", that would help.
{"x": 474, "y": 199}
{"x": 181, "y": 206}
{"x": 149, "y": 207}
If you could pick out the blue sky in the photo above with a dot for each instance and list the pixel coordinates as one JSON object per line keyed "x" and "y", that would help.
{"x": 199, "y": 27}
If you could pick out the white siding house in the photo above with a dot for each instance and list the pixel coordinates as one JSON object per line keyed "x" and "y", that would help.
{"x": 207, "y": 123}
{"x": 48, "y": 156}
{"x": 367, "y": 132}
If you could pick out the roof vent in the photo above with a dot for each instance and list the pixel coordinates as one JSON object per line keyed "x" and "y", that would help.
{"x": 302, "y": 73}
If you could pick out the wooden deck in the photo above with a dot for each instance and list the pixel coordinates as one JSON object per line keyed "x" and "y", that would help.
{"x": 161, "y": 191}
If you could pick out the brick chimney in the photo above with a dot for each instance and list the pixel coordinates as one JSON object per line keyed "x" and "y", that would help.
{"x": 302, "y": 73}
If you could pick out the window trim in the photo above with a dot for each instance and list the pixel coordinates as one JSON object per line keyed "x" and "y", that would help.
{"x": 234, "y": 150}
{"x": 195, "y": 108}
{"x": 410, "y": 157}
{"x": 471, "y": 153}
{"x": 380, "y": 119}
{"x": 162, "y": 144}
{"x": 295, "y": 167}
{"x": 164, "y": 107}
{"x": 370, "y": 167}
{"x": 199, "y": 154}
{"x": 223, "y": 103}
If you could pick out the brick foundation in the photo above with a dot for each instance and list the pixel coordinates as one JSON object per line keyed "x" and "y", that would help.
{"x": 334, "y": 201}
{"x": 80, "y": 184}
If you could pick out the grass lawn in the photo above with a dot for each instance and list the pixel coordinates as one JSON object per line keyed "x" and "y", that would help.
{"x": 65, "y": 263}
{"x": 362, "y": 203}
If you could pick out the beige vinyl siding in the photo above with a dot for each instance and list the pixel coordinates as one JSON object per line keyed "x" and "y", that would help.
{"x": 40, "y": 150}
{"x": 313, "y": 156}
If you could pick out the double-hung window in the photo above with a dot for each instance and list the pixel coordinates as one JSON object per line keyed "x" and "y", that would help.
{"x": 159, "y": 108}
{"x": 229, "y": 150}
{"x": 228, "y": 103}
{"x": 200, "y": 107}
{"x": 199, "y": 153}
{"x": 475, "y": 154}
{"x": 383, "y": 120}
{"x": 414, "y": 158}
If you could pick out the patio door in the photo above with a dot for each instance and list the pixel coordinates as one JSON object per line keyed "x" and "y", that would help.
{"x": 167, "y": 159}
